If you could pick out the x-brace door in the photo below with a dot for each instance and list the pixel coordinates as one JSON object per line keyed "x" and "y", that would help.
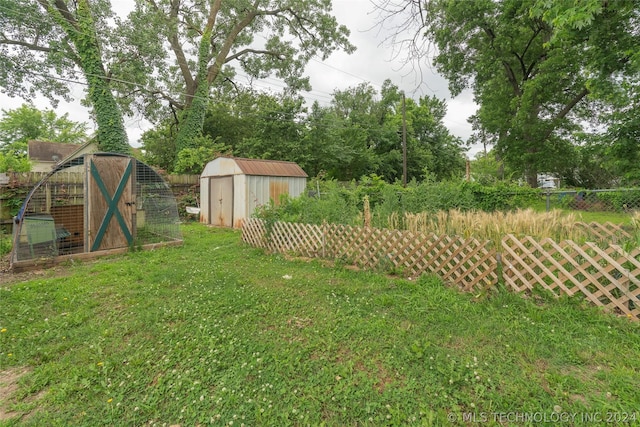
{"x": 111, "y": 202}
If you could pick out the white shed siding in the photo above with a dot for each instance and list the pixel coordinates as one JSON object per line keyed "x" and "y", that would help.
{"x": 253, "y": 185}
{"x": 260, "y": 189}
{"x": 205, "y": 203}
{"x": 239, "y": 205}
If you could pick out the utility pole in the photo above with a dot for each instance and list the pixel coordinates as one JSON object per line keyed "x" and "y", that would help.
{"x": 404, "y": 141}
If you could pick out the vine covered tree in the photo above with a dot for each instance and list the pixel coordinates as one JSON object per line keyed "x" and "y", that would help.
{"x": 44, "y": 44}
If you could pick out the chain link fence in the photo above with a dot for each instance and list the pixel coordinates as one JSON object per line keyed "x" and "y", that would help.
{"x": 624, "y": 201}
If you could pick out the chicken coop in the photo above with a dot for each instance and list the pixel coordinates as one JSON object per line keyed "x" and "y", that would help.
{"x": 231, "y": 187}
{"x": 94, "y": 204}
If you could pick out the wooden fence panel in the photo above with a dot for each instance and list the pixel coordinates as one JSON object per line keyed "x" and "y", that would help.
{"x": 608, "y": 277}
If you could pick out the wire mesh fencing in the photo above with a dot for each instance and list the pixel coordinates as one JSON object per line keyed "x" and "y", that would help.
{"x": 625, "y": 201}
{"x": 91, "y": 204}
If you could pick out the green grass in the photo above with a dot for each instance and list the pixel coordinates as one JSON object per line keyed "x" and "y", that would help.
{"x": 216, "y": 332}
{"x": 602, "y": 217}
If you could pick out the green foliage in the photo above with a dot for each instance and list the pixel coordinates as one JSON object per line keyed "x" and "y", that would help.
{"x": 183, "y": 200}
{"x": 343, "y": 204}
{"x": 335, "y": 204}
{"x": 20, "y": 125}
{"x": 159, "y": 146}
{"x": 10, "y": 162}
{"x": 618, "y": 201}
{"x": 12, "y": 198}
{"x": 5, "y": 243}
{"x": 539, "y": 70}
{"x": 25, "y": 123}
{"x": 190, "y": 127}
{"x": 192, "y": 160}
{"x": 111, "y": 136}
{"x": 223, "y": 33}
{"x": 358, "y": 135}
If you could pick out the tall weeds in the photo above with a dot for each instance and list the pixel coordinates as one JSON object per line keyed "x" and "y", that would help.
{"x": 495, "y": 225}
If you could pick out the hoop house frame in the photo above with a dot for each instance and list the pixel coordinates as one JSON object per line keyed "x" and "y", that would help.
{"x": 93, "y": 205}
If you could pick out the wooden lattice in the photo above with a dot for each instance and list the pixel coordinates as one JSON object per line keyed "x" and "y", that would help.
{"x": 607, "y": 232}
{"x": 467, "y": 263}
{"x": 608, "y": 277}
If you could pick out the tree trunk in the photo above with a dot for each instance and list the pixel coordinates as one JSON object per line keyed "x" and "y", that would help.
{"x": 112, "y": 136}
{"x": 531, "y": 176}
{"x": 193, "y": 115}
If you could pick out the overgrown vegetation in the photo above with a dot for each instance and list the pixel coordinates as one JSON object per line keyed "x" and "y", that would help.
{"x": 199, "y": 335}
{"x": 342, "y": 204}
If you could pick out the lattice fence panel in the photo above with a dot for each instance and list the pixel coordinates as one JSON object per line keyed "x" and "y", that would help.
{"x": 607, "y": 232}
{"x": 467, "y": 263}
{"x": 608, "y": 277}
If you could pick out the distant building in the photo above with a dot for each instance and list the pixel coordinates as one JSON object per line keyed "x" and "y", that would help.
{"x": 45, "y": 156}
{"x": 548, "y": 180}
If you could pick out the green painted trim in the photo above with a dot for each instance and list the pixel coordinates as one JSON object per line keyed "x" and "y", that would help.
{"x": 113, "y": 206}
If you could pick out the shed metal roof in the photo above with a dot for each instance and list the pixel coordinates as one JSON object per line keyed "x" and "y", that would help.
{"x": 269, "y": 167}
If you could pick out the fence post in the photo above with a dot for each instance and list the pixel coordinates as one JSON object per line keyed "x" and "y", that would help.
{"x": 324, "y": 237}
{"x": 548, "y": 200}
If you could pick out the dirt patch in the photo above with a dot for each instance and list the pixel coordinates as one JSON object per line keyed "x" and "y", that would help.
{"x": 8, "y": 386}
{"x": 8, "y": 277}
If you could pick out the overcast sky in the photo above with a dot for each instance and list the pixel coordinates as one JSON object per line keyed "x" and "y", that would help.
{"x": 372, "y": 62}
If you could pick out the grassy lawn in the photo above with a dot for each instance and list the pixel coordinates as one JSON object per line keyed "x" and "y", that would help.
{"x": 218, "y": 333}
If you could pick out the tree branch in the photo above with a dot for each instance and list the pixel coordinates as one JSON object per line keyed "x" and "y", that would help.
{"x": 174, "y": 42}
{"x": 567, "y": 108}
{"x": 61, "y": 8}
{"x": 562, "y": 113}
{"x": 512, "y": 78}
{"x": 257, "y": 51}
{"x": 30, "y": 46}
{"x": 162, "y": 95}
{"x": 214, "y": 69}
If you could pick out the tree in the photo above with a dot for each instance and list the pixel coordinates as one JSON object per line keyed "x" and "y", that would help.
{"x": 435, "y": 150}
{"x": 261, "y": 37}
{"x": 44, "y": 43}
{"x": 20, "y": 125}
{"x": 26, "y": 123}
{"x": 534, "y": 85}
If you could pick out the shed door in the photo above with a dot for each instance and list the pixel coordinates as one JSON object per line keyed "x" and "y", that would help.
{"x": 111, "y": 202}
{"x": 221, "y": 201}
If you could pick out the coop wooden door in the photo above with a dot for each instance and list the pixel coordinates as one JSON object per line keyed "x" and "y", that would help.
{"x": 221, "y": 201}
{"x": 111, "y": 202}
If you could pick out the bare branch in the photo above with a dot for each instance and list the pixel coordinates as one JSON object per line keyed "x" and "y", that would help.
{"x": 162, "y": 95}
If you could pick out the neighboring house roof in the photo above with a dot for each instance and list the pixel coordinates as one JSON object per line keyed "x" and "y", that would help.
{"x": 42, "y": 151}
{"x": 56, "y": 152}
{"x": 269, "y": 167}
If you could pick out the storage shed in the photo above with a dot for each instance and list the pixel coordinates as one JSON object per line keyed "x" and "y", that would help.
{"x": 92, "y": 204}
{"x": 231, "y": 188}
